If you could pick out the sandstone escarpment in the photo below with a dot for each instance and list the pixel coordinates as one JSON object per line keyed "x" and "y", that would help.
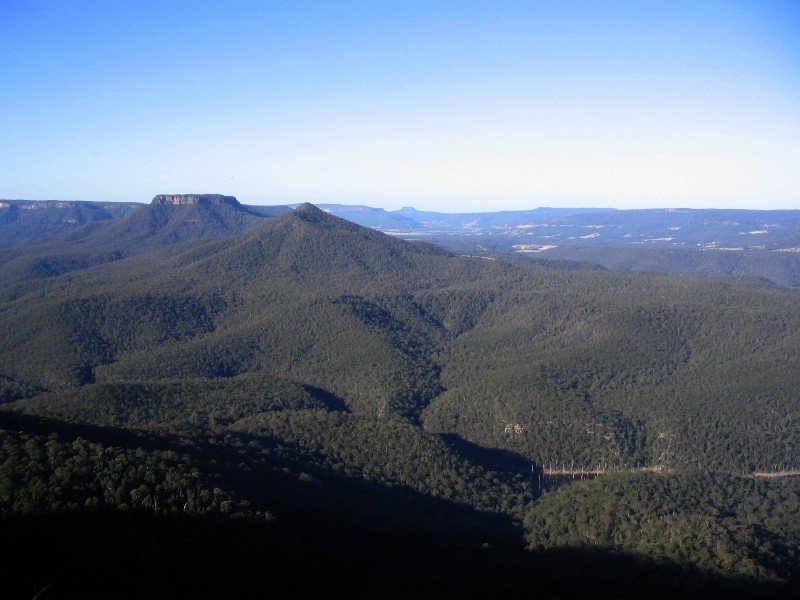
{"x": 184, "y": 199}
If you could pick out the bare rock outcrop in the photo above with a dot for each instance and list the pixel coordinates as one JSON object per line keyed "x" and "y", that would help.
{"x": 184, "y": 199}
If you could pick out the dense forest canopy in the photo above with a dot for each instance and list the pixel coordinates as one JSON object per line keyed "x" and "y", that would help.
{"x": 311, "y": 381}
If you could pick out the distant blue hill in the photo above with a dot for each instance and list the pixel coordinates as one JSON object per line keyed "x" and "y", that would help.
{"x": 411, "y": 219}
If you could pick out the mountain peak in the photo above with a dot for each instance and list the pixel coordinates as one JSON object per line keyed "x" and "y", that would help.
{"x": 184, "y": 199}
{"x": 309, "y": 212}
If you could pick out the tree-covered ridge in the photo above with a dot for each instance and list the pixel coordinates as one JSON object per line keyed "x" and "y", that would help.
{"x": 304, "y": 423}
{"x": 48, "y": 474}
{"x": 393, "y": 453}
{"x": 110, "y": 513}
{"x": 27, "y": 220}
{"x": 781, "y": 268}
{"x": 625, "y": 375}
{"x": 759, "y": 245}
{"x": 317, "y": 368}
{"x": 725, "y": 524}
{"x": 95, "y": 330}
{"x": 560, "y": 366}
{"x": 142, "y": 229}
{"x": 189, "y": 405}
{"x": 720, "y": 524}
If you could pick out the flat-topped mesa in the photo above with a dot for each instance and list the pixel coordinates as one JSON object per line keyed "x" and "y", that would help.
{"x": 184, "y": 199}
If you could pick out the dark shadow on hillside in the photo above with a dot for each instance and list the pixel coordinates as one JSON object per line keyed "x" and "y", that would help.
{"x": 495, "y": 459}
{"x": 333, "y": 536}
{"x": 330, "y": 400}
{"x": 283, "y": 482}
{"x": 313, "y": 493}
{"x": 130, "y": 555}
{"x": 113, "y": 436}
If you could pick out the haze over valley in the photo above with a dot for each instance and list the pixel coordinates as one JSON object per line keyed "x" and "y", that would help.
{"x": 721, "y": 243}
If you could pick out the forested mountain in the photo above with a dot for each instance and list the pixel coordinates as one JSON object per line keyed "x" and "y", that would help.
{"x": 28, "y": 220}
{"x": 778, "y": 267}
{"x": 167, "y": 221}
{"x": 23, "y": 221}
{"x": 781, "y": 268}
{"x": 394, "y": 393}
{"x": 717, "y": 243}
{"x": 557, "y": 365}
{"x": 114, "y": 513}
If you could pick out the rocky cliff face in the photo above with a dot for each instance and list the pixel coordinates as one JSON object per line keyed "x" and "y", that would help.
{"x": 184, "y": 199}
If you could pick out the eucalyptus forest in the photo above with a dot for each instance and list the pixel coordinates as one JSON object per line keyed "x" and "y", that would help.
{"x": 201, "y": 398}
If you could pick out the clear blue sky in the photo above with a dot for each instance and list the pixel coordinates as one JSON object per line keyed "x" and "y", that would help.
{"x": 443, "y": 106}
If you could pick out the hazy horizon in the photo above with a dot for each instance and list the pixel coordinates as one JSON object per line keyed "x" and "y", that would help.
{"x": 295, "y": 203}
{"x": 475, "y": 107}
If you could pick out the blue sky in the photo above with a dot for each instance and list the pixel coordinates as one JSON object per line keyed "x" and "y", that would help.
{"x": 443, "y": 106}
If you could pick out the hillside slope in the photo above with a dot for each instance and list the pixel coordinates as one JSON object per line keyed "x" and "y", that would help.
{"x": 559, "y": 366}
{"x": 376, "y": 397}
{"x": 165, "y": 222}
{"x": 28, "y": 220}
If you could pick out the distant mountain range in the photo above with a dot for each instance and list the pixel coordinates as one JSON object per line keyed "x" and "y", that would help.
{"x": 709, "y": 242}
{"x": 132, "y": 229}
{"x": 543, "y": 229}
{"x": 413, "y": 220}
{"x": 27, "y": 220}
{"x": 525, "y": 231}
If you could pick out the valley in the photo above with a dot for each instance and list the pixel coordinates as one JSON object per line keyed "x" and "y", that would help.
{"x": 400, "y": 300}
{"x": 358, "y": 411}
